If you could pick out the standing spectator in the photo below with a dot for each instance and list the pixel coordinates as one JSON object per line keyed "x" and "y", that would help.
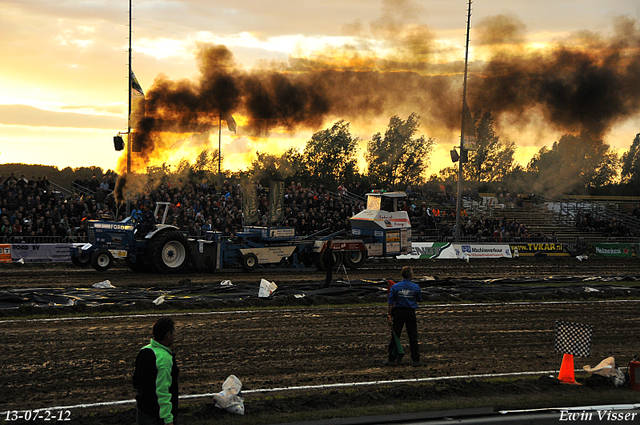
{"x": 104, "y": 185}
{"x": 156, "y": 377}
{"x": 401, "y": 309}
{"x": 94, "y": 184}
{"x": 329, "y": 263}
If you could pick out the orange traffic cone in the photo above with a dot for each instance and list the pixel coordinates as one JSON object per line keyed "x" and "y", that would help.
{"x": 566, "y": 370}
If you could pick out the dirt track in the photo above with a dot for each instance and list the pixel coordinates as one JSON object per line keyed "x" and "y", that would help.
{"x": 64, "y": 275}
{"x": 61, "y": 362}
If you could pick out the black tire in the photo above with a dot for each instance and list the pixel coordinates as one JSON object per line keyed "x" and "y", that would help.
{"x": 337, "y": 261}
{"x": 306, "y": 259}
{"x": 249, "y": 262}
{"x": 317, "y": 260}
{"x": 169, "y": 252}
{"x": 139, "y": 265}
{"x": 101, "y": 260}
{"x": 354, "y": 259}
{"x": 83, "y": 260}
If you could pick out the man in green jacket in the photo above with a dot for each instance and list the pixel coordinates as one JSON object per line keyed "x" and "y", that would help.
{"x": 156, "y": 377}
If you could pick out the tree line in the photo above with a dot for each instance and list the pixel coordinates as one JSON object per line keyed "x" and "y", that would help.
{"x": 399, "y": 157}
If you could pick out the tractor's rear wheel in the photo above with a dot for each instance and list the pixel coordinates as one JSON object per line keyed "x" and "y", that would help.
{"x": 101, "y": 259}
{"x": 169, "y": 252}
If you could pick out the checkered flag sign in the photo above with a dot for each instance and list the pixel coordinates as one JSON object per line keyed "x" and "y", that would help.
{"x": 573, "y": 338}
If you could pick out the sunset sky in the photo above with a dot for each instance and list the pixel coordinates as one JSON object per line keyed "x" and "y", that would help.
{"x": 63, "y": 85}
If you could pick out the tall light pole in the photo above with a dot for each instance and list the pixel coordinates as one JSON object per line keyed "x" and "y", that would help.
{"x": 464, "y": 103}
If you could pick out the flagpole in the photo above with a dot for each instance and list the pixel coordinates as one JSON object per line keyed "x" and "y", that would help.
{"x": 129, "y": 138}
{"x": 464, "y": 102}
{"x": 219, "y": 146}
{"x": 129, "y": 99}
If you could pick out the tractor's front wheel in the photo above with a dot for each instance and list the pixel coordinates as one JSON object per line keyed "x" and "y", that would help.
{"x": 101, "y": 260}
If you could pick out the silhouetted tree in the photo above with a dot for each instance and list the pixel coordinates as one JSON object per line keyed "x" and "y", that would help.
{"x": 399, "y": 158}
{"x": 330, "y": 156}
{"x": 574, "y": 164}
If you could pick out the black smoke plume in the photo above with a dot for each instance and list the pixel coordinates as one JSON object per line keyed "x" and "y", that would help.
{"x": 590, "y": 83}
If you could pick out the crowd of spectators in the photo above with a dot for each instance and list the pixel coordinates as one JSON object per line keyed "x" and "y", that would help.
{"x": 200, "y": 207}
{"x": 30, "y": 209}
{"x": 610, "y": 227}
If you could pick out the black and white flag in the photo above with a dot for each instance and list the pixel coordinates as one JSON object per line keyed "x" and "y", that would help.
{"x": 573, "y": 338}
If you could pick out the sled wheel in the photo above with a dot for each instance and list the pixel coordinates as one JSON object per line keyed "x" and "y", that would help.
{"x": 355, "y": 259}
{"x": 249, "y": 262}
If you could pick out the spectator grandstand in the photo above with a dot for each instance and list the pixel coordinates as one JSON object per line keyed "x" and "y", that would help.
{"x": 31, "y": 211}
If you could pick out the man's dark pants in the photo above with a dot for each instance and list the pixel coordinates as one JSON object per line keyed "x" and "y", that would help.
{"x": 405, "y": 316}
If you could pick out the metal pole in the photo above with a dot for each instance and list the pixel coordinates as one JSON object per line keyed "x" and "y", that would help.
{"x": 464, "y": 102}
{"x": 129, "y": 138}
{"x": 219, "y": 147}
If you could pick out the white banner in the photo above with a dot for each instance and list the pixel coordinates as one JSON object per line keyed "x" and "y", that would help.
{"x": 452, "y": 251}
{"x": 41, "y": 253}
{"x": 483, "y": 251}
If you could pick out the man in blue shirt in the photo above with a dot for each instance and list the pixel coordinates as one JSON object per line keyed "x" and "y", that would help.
{"x": 402, "y": 303}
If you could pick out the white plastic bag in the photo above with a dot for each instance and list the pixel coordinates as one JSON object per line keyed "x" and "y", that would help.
{"x": 266, "y": 288}
{"x": 607, "y": 368}
{"x": 105, "y": 284}
{"x": 229, "y": 399}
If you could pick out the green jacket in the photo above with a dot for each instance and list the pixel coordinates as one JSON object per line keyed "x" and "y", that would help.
{"x": 156, "y": 379}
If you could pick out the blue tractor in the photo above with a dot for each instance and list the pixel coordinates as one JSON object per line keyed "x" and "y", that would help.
{"x": 143, "y": 243}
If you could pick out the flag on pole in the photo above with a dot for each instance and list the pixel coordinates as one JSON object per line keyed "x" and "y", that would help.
{"x": 573, "y": 338}
{"x": 276, "y": 201}
{"x": 469, "y": 142}
{"x": 231, "y": 123}
{"x": 250, "y": 204}
{"x": 135, "y": 86}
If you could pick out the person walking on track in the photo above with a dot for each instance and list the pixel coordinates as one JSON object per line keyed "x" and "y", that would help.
{"x": 401, "y": 310}
{"x": 156, "y": 377}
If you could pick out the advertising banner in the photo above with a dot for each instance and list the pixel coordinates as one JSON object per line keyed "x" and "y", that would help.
{"x": 425, "y": 250}
{"x": 483, "y": 251}
{"x": 531, "y": 249}
{"x": 5, "y": 253}
{"x": 41, "y": 253}
{"x": 448, "y": 250}
{"x": 613, "y": 249}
